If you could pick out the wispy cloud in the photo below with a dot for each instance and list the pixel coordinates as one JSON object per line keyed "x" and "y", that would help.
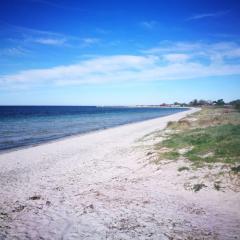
{"x": 196, "y": 49}
{"x": 148, "y": 24}
{"x": 55, "y": 4}
{"x": 177, "y": 61}
{"x": 13, "y": 51}
{"x": 97, "y": 70}
{"x": 26, "y": 34}
{"x": 208, "y": 15}
{"x": 102, "y": 31}
{"x": 90, "y": 41}
{"x": 50, "y": 41}
{"x": 8, "y": 27}
{"x": 44, "y": 37}
{"x": 174, "y": 47}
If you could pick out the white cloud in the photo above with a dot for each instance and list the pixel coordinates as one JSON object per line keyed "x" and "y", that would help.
{"x": 174, "y": 62}
{"x": 29, "y": 31}
{"x": 90, "y": 41}
{"x": 177, "y": 57}
{"x": 148, "y": 24}
{"x": 64, "y": 41}
{"x": 50, "y": 41}
{"x": 172, "y": 47}
{"x": 219, "y": 50}
{"x": 43, "y": 37}
{"x": 207, "y": 15}
{"x": 98, "y": 70}
{"x": 14, "y": 51}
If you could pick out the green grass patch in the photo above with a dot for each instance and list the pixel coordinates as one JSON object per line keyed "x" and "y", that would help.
{"x": 180, "y": 125}
{"x": 216, "y": 116}
{"x": 212, "y": 144}
{"x": 171, "y": 155}
{"x": 211, "y": 135}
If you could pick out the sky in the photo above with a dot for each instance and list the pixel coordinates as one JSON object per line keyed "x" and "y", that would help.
{"x": 118, "y": 52}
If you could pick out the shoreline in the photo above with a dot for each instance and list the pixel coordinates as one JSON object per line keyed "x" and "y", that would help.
{"x": 84, "y": 133}
{"x": 99, "y": 184}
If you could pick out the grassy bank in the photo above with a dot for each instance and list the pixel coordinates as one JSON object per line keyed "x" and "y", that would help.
{"x": 204, "y": 147}
{"x": 211, "y": 135}
{"x": 211, "y": 144}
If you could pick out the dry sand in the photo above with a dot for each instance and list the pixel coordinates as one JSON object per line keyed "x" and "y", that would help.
{"x": 101, "y": 186}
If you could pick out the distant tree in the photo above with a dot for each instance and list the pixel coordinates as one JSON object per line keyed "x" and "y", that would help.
{"x": 194, "y": 103}
{"x": 183, "y": 104}
{"x": 236, "y": 104}
{"x": 219, "y": 102}
{"x": 202, "y": 102}
{"x": 209, "y": 102}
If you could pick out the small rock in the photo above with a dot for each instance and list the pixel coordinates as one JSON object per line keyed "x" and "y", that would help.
{"x": 18, "y": 208}
{"x": 149, "y": 153}
{"x": 36, "y": 197}
{"x": 198, "y": 187}
{"x": 91, "y": 206}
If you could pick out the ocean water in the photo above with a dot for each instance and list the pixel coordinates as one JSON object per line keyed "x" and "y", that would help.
{"x": 30, "y": 125}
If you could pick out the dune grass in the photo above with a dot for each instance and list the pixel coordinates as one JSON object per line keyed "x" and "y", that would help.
{"x": 211, "y": 135}
{"x": 211, "y": 144}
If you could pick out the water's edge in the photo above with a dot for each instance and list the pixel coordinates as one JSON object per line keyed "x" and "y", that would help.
{"x": 56, "y": 139}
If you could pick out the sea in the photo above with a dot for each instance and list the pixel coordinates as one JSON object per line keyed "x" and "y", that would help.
{"x": 22, "y": 126}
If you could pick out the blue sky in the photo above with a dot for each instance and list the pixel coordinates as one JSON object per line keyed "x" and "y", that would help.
{"x": 88, "y": 52}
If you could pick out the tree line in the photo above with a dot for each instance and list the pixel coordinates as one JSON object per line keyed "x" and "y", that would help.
{"x": 219, "y": 102}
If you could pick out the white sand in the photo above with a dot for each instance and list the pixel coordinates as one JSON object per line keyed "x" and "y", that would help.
{"x": 100, "y": 186}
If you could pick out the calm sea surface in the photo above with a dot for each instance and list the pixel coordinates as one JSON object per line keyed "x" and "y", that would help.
{"x": 29, "y": 125}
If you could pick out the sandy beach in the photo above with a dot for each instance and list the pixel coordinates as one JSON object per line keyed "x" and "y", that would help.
{"x": 101, "y": 186}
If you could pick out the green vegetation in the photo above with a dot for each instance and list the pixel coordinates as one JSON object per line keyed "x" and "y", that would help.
{"x": 211, "y": 144}
{"x": 219, "y": 102}
{"x": 180, "y": 125}
{"x": 209, "y": 136}
{"x": 198, "y": 187}
{"x": 236, "y": 104}
{"x": 201, "y": 102}
{"x": 170, "y": 155}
